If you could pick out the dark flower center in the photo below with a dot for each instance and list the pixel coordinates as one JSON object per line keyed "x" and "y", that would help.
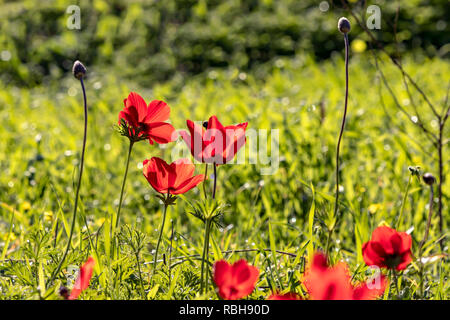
{"x": 392, "y": 261}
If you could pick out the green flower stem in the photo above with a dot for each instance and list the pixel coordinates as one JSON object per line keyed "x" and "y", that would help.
{"x": 215, "y": 181}
{"x": 425, "y": 238}
{"x": 403, "y": 202}
{"x": 204, "y": 182}
{"x": 204, "y": 286}
{"x": 155, "y": 259}
{"x": 140, "y": 276}
{"x": 123, "y": 183}
{"x": 395, "y": 279}
{"x": 74, "y": 215}
{"x": 336, "y": 203}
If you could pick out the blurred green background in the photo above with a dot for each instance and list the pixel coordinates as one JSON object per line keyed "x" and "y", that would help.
{"x": 278, "y": 64}
{"x": 156, "y": 40}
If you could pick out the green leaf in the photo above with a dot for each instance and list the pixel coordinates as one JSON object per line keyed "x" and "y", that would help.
{"x": 152, "y": 293}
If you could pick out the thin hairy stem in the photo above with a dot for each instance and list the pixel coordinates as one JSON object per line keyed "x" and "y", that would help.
{"x": 140, "y": 275}
{"x": 441, "y": 177}
{"x": 425, "y": 238}
{"x": 396, "y": 63}
{"x": 204, "y": 284}
{"x": 204, "y": 182}
{"x": 123, "y": 183}
{"x": 336, "y": 203}
{"x": 394, "y": 273}
{"x": 215, "y": 181}
{"x": 74, "y": 215}
{"x": 160, "y": 234}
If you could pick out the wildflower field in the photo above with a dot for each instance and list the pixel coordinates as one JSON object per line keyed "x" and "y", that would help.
{"x": 229, "y": 184}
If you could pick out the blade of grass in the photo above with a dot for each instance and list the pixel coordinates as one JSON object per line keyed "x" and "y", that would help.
{"x": 8, "y": 237}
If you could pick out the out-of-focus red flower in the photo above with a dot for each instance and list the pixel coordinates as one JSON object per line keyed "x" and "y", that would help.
{"x": 388, "y": 248}
{"x": 235, "y": 281}
{"x": 217, "y": 144}
{"x": 176, "y": 178}
{"x": 334, "y": 283}
{"x": 146, "y": 122}
{"x": 286, "y": 296}
{"x": 84, "y": 276}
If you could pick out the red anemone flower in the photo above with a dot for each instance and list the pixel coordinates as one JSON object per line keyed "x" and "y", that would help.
{"x": 84, "y": 276}
{"x": 334, "y": 283}
{"x": 176, "y": 178}
{"x": 235, "y": 281}
{"x": 146, "y": 122}
{"x": 286, "y": 296}
{"x": 217, "y": 144}
{"x": 388, "y": 248}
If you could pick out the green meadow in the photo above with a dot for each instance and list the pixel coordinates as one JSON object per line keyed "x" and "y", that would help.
{"x": 278, "y": 65}
{"x": 268, "y": 220}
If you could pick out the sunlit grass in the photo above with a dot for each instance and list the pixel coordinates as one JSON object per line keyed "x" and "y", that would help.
{"x": 41, "y": 136}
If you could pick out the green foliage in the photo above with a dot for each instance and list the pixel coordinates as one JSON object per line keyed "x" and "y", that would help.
{"x": 269, "y": 220}
{"x": 153, "y": 40}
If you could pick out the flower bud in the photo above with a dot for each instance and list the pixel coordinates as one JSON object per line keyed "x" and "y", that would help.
{"x": 344, "y": 25}
{"x": 78, "y": 70}
{"x": 415, "y": 170}
{"x": 428, "y": 178}
{"x": 64, "y": 292}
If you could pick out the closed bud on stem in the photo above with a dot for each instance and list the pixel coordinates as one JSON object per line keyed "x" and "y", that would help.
{"x": 78, "y": 70}
{"x": 415, "y": 170}
{"x": 428, "y": 178}
{"x": 344, "y": 25}
{"x": 64, "y": 292}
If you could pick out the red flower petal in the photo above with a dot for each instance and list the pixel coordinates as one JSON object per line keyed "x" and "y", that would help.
{"x": 221, "y": 272}
{"x": 131, "y": 116}
{"x": 162, "y": 132}
{"x": 236, "y": 281}
{"x": 383, "y": 236}
{"x": 175, "y": 178}
{"x": 388, "y": 248}
{"x": 363, "y": 292}
{"x": 83, "y": 279}
{"x": 158, "y": 111}
{"x": 214, "y": 123}
{"x": 194, "y": 141}
{"x": 286, "y": 296}
{"x": 156, "y": 171}
{"x": 333, "y": 283}
{"x": 136, "y": 101}
{"x": 188, "y": 184}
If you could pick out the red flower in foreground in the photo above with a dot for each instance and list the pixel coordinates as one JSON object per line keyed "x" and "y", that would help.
{"x": 146, "y": 122}
{"x": 235, "y": 281}
{"x": 217, "y": 144}
{"x": 84, "y": 276}
{"x": 334, "y": 283}
{"x": 176, "y": 178}
{"x": 388, "y": 248}
{"x": 286, "y": 296}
